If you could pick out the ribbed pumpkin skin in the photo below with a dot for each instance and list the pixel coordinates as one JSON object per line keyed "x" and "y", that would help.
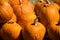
{"x": 55, "y": 5}
{"x": 34, "y": 32}
{"x": 17, "y": 10}
{"x": 12, "y": 30}
{"x": 14, "y": 2}
{"x": 54, "y": 32}
{"x": 51, "y": 13}
{"x": 25, "y": 12}
{"x": 24, "y": 8}
{"x": 39, "y": 13}
{"x": 6, "y": 12}
{"x": 28, "y": 18}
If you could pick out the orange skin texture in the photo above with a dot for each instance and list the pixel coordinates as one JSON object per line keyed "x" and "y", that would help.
{"x": 50, "y": 12}
{"x": 56, "y": 5}
{"x": 12, "y": 30}
{"x": 27, "y": 18}
{"x": 39, "y": 13}
{"x": 34, "y": 32}
{"x": 17, "y": 10}
{"x": 53, "y": 32}
{"x": 6, "y": 12}
{"x": 25, "y": 11}
{"x": 14, "y": 2}
{"x": 24, "y": 7}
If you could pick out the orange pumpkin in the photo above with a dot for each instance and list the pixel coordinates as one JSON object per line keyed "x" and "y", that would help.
{"x": 34, "y": 31}
{"x": 14, "y": 2}
{"x": 6, "y": 11}
{"x": 39, "y": 12}
{"x": 10, "y": 30}
{"x": 25, "y": 11}
{"x": 50, "y": 13}
{"x": 23, "y": 7}
{"x": 53, "y": 32}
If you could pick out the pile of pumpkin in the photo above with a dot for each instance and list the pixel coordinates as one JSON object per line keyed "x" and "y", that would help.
{"x": 21, "y": 17}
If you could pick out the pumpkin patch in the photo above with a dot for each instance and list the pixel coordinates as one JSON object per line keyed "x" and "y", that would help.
{"x": 26, "y": 20}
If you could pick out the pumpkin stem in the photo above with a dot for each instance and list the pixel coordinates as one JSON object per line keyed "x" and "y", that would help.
{"x": 36, "y": 20}
{"x": 20, "y": 1}
{"x": 47, "y": 3}
{"x": 11, "y": 21}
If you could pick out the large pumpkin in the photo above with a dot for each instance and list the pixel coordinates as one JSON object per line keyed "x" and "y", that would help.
{"x": 10, "y": 30}
{"x": 50, "y": 12}
{"x": 35, "y": 31}
{"x": 25, "y": 11}
{"x": 47, "y": 12}
{"x": 6, "y": 11}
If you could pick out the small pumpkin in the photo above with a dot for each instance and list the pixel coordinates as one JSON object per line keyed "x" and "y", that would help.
{"x": 34, "y": 31}
{"x": 6, "y": 11}
{"x": 14, "y": 2}
{"x": 10, "y": 30}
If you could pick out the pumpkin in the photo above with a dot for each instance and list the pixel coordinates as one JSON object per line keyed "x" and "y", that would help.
{"x": 53, "y": 32}
{"x": 14, "y": 2}
{"x": 39, "y": 12}
{"x": 14, "y": 18}
{"x": 25, "y": 11}
{"x": 50, "y": 12}
{"x": 34, "y": 31}
{"x": 10, "y": 30}
{"x": 6, "y": 11}
{"x": 25, "y": 7}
